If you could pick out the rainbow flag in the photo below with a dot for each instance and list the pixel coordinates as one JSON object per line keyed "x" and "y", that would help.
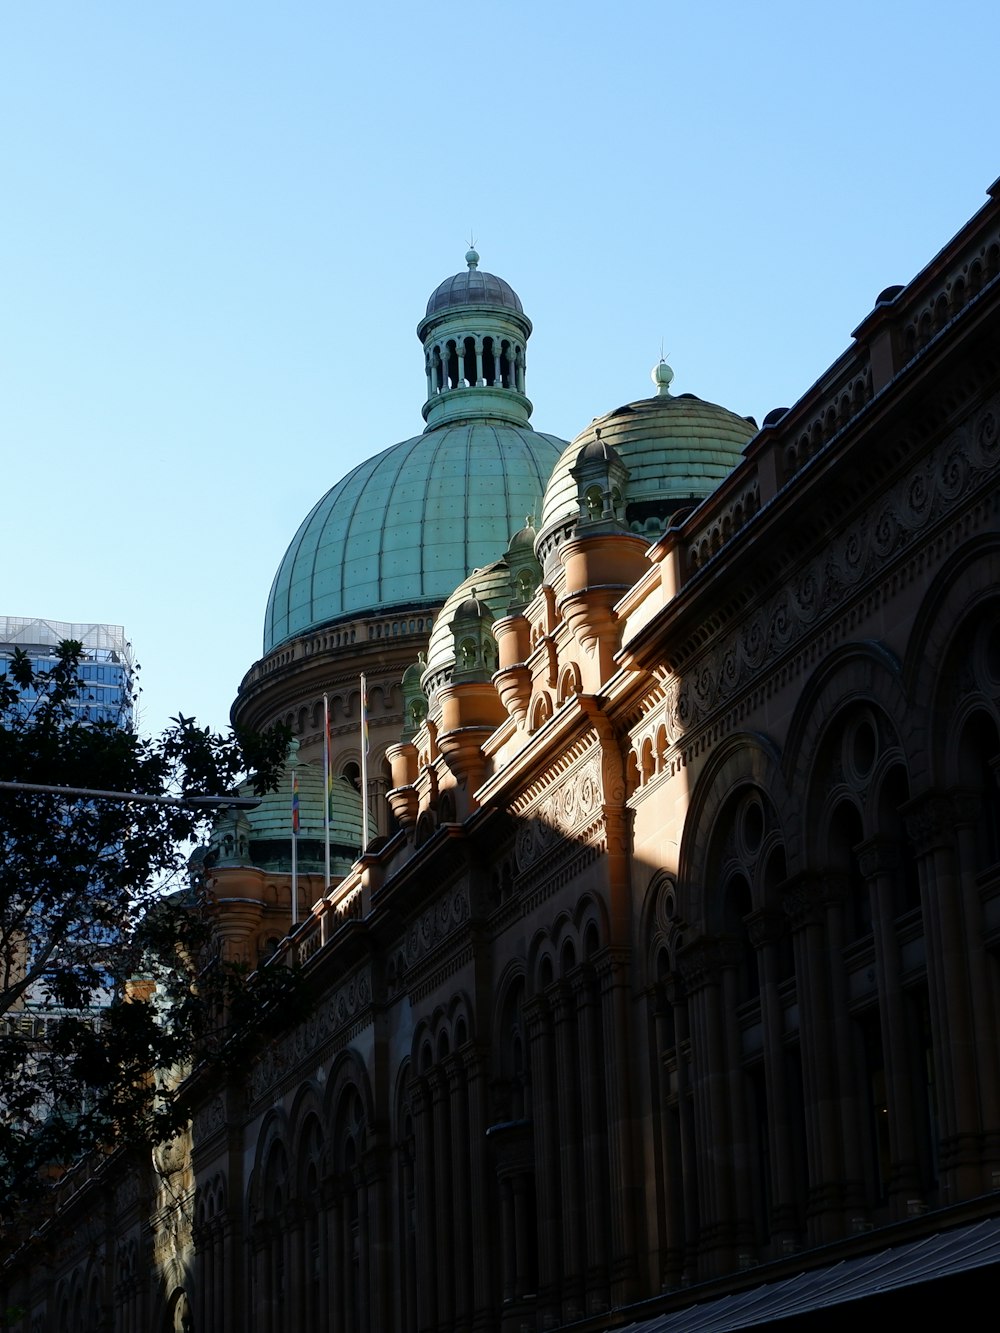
{"x": 364, "y": 716}
{"x": 328, "y": 757}
{"x": 295, "y": 802}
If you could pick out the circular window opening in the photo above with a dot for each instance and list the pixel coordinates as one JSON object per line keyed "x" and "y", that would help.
{"x": 864, "y": 747}
{"x": 752, "y": 826}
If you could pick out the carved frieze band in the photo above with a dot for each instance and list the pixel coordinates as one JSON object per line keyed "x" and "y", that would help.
{"x": 207, "y": 1119}
{"x": 334, "y": 1013}
{"x": 563, "y": 811}
{"x": 438, "y": 921}
{"x": 938, "y": 485}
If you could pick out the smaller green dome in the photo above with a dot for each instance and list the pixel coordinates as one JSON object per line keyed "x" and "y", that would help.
{"x": 676, "y": 449}
{"x": 263, "y": 837}
{"x": 488, "y": 588}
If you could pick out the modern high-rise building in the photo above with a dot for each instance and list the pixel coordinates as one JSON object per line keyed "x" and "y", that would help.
{"x": 106, "y": 666}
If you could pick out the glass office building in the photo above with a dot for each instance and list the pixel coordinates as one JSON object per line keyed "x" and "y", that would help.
{"x": 106, "y": 664}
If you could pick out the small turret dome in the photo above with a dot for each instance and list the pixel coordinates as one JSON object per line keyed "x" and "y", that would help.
{"x": 676, "y": 450}
{"x": 485, "y": 593}
{"x": 597, "y": 450}
{"x": 262, "y": 837}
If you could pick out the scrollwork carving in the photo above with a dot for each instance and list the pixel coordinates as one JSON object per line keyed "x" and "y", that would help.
{"x": 208, "y": 1118}
{"x": 337, "y": 1010}
{"x": 564, "y": 809}
{"x": 938, "y": 484}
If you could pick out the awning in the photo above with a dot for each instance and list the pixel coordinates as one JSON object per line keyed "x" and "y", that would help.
{"x": 944, "y": 1255}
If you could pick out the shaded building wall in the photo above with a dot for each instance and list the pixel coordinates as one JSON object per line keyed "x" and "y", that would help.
{"x": 704, "y": 973}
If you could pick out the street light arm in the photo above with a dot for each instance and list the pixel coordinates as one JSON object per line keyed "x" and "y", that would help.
{"x": 142, "y": 798}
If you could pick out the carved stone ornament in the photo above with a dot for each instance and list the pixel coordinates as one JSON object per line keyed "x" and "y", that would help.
{"x": 337, "y": 1010}
{"x": 207, "y": 1119}
{"x": 878, "y": 856}
{"x": 941, "y": 482}
{"x": 438, "y": 921}
{"x": 126, "y": 1192}
{"x": 567, "y": 807}
{"x": 930, "y": 823}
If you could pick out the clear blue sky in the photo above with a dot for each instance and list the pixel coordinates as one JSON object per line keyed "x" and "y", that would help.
{"x": 220, "y": 223}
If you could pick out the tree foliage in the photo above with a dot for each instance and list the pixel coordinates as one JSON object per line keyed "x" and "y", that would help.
{"x": 109, "y": 987}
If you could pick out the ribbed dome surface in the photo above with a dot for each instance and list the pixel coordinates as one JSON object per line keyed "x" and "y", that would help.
{"x": 473, "y": 287}
{"x": 489, "y": 585}
{"x": 405, "y": 527}
{"x": 676, "y": 450}
{"x": 269, "y": 826}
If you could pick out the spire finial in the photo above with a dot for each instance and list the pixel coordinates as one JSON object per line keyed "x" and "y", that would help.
{"x": 472, "y": 255}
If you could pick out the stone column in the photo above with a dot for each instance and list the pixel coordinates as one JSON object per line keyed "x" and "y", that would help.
{"x": 547, "y": 1172}
{"x": 765, "y": 928}
{"x": 702, "y": 973}
{"x": 444, "y": 1235}
{"x": 803, "y": 904}
{"x": 930, "y": 825}
{"x": 853, "y": 1111}
{"x": 482, "y": 1223}
{"x": 377, "y": 1280}
{"x": 982, "y": 982}
{"x": 462, "y": 1263}
{"x": 220, "y": 1316}
{"x": 508, "y": 1238}
{"x": 420, "y": 1101}
{"x": 407, "y": 1239}
{"x": 568, "y": 1100}
{"x": 594, "y": 1138}
{"x": 625, "y": 1197}
{"x": 744, "y": 1237}
{"x": 294, "y": 1266}
{"x": 879, "y": 862}
{"x": 690, "y": 1188}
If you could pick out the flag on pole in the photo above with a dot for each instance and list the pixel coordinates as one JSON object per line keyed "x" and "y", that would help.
{"x": 364, "y": 762}
{"x": 293, "y": 763}
{"x": 328, "y": 775}
{"x": 328, "y": 758}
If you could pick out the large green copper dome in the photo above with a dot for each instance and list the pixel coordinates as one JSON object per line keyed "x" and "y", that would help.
{"x": 402, "y": 529}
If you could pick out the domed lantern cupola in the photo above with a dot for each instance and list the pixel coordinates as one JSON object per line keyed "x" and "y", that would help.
{"x": 475, "y": 333}
{"x": 601, "y": 478}
{"x": 475, "y": 647}
{"x": 414, "y": 699}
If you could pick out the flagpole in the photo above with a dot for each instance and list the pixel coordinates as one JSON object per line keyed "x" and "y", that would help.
{"x": 364, "y": 763}
{"x": 293, "y": 760}
{"x": 327, "y": 788}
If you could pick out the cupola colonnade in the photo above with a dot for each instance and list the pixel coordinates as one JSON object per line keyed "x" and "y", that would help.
{"x": 475, "y": 360}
